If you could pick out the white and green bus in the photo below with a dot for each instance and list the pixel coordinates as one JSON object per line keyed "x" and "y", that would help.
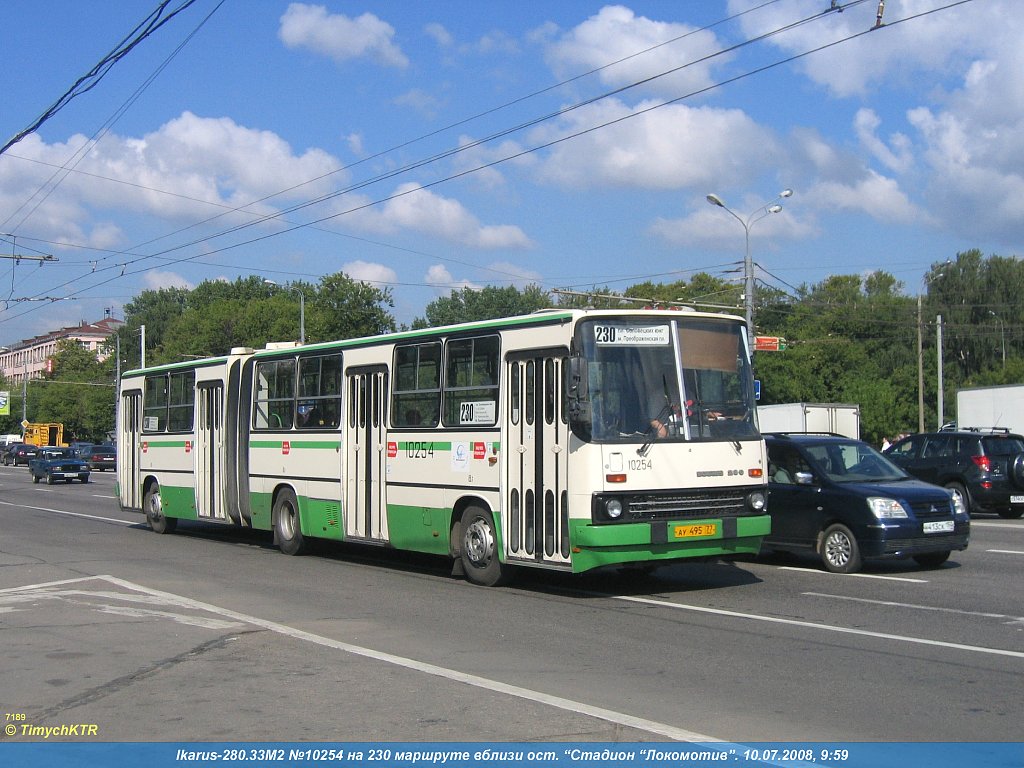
{"x": 566, "y": 439}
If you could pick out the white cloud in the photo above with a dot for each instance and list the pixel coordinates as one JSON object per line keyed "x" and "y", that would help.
{"x": 896, "y": 156}
{"x": 874, "y": 194}
{"x": 339, "y": 36}
{"x": 439, "y": 277}
{"x": 156, "y": 279}
{"x": 421, "y": 210}
{"x": 439, "y": 34}
{"x": 190, "y": 168}
{"x": 671, "y": 147}
{"x": 617, "y": 34}
{"x": 368, "y": 272}
{"x": 424, "y": 102}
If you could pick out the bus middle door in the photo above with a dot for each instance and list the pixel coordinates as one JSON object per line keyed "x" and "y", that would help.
{"x": 365, "y": 452}
{"x": 209, "y": 453}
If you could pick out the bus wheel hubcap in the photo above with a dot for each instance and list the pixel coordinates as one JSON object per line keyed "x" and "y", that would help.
{"x": 479, "y": 543}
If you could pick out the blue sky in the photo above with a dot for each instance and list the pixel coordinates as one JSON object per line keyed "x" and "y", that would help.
{"x": 426, "y": 146}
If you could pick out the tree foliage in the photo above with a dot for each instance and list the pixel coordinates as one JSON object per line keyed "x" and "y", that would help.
{"x": 216, "y": 316}
{"x": 469, "y": 305}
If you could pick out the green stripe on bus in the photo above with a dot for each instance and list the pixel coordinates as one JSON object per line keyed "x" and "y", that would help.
{"x": 333, "y": 445}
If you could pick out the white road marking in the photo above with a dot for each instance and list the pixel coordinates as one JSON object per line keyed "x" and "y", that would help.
{"x": 914, "y": 606}
{"x": 820, "y": 627}
{"x": 855, "y": 575}
{"x": 1005, "y": 551}
{"x": 70, "y": 514}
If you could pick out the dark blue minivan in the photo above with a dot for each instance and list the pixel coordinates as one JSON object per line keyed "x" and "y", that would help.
{"x": 844, "y": 501}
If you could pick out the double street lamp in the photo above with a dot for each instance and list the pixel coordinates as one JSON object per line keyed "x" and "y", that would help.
{"x": 756, "y": 215}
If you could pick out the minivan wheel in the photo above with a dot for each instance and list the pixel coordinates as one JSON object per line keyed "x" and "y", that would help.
{"x": 839, "y": 550}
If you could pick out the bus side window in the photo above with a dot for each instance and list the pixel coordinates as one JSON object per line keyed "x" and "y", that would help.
{"x": 416, "y": 397}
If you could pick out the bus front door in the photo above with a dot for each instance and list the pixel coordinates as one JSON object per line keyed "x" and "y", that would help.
{"x": 535, "y": 508}
{"x": 365, "y": 452}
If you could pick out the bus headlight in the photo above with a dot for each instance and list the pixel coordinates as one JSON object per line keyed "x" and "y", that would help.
{"x": 613, "y": 508}
{"x": 756, "y": 501}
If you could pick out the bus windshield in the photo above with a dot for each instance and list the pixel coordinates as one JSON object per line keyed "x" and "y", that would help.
{"x": 674, "y": 379}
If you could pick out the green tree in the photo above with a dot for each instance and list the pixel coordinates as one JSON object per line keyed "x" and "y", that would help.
{"x": 486, "y": 303}
{"x": 250, "y": 312}
{"x": 79, "y": 393}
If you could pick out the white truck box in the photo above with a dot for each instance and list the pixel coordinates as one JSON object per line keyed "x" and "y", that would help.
{"x": 986, "y": 407}
{"x": 840, "y": 418}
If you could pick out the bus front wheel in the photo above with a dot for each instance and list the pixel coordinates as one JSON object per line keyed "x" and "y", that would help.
{"x": 154, "y": 512}
{"x": 287, "y": 528}
{"x": 479, "y": 549}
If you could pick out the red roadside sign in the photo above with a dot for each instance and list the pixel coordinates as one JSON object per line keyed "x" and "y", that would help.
{"x": 769, "y": 343}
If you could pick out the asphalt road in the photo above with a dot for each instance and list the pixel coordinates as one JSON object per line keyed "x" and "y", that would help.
{"x": 213, "y": 635}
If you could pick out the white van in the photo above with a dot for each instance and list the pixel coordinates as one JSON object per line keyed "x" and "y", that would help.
{"x": 8, "y": 439}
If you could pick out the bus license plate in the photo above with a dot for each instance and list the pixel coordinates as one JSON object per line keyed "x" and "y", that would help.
{"x": 942, "y": 526}
{"x": 690, "y": 531}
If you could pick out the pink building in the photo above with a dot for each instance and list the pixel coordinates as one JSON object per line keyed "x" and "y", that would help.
{"x": 28, "y": 358}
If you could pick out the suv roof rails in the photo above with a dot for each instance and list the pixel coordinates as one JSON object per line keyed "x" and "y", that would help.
{"x": 990, "y": 430}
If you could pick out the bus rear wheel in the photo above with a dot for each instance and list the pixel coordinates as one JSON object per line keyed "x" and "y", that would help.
{"x": 154, "y": 511}
{"x": 478, "y": 549}
{"x": 287, "y": 528}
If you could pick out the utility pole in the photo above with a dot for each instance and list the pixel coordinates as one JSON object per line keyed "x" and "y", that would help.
{"x": 920, "y": 368}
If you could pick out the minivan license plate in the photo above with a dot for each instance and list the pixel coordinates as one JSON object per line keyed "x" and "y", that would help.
{"x": 941, "y": 526}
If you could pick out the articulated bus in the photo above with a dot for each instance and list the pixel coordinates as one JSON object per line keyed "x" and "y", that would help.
{"x": 566, "y": 439}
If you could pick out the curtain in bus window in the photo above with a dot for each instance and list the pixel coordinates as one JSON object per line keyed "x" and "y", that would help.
{"x": 716, "y": 376}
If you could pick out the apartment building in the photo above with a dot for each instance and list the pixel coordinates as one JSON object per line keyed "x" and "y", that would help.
{"x": 28, "y": 358}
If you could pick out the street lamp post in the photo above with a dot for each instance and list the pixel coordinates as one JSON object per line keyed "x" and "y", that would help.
{"x": 756, "y": 215}
{"x": 1002, "y": 335}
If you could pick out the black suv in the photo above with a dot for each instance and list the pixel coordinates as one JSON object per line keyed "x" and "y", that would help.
{"x": 984, "y": 467}
{"x": 844, "y": 501}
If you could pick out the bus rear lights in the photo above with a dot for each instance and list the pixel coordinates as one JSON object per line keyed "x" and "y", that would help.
{"x": 618, "y": 477}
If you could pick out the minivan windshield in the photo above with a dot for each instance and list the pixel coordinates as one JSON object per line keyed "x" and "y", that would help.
{"x": 853, "y": 462}
{"x": 665, "y": 378}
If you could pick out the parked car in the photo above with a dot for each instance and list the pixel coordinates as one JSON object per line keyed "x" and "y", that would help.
{"x": 6, "y": 452}
{"x": 53, "y": 464}
{"x": 81, "y": 448}
{"x": 844, "y": 501}
{"x": 984, "y": 468}
{"x": 18, "y": 454}
{"x": 102, "y": 457}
